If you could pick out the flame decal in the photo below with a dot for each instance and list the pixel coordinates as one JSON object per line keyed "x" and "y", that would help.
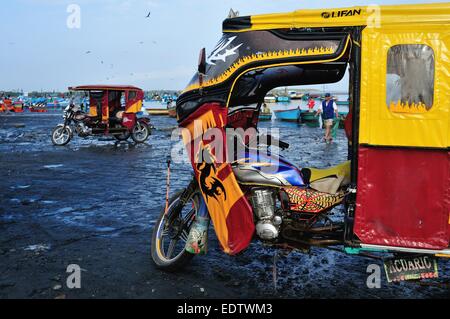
{"x": 265, "y": 56}
{"x": 413, "y": 108}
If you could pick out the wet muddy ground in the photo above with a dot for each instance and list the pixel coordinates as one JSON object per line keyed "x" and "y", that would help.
{"x": 94, "y": 202}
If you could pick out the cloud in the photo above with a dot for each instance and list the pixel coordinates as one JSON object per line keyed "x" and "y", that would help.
{"x": 171, "y": 78}
{"x": 152, "y": 4}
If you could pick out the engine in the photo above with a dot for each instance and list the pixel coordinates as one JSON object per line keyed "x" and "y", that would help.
{"x": 267, "y": 223}
{"x": 82, "y": 129}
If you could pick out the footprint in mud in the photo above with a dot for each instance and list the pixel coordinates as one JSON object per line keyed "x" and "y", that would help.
{"x": 38, "y": 248}
{"x": 51, "y": 166}
{"x": 48, "y": 202}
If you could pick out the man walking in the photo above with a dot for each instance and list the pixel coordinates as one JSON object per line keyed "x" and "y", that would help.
{"x": 329, "y": 111}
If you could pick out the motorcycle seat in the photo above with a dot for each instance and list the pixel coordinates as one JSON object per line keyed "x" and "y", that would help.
{"x": 328, "y": 180}
{"x": 114, "y": 120}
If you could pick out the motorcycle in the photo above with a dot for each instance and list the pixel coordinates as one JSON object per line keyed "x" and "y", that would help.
{"x": 290, "y": 206}
{"x": 123, "y": 125}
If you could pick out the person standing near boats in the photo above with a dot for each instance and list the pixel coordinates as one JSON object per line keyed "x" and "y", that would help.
{"x": 169, "y": 104}
{"x": 328, "y": 109}
{"x": 265, "y": 109}
{"x": 311, "y": 104}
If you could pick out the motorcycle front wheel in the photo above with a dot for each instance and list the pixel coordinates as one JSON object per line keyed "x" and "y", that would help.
{"x": 61, "y": 135}
{"x": 171, "y": 232}
{"x": 140, "y": 132}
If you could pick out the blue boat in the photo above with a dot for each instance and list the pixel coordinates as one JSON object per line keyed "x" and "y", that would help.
{"x": 63, "y": 103}
{"x": 265, "y": 116}
{"x": 38, "y": 100}
{"x": 283, "y": 99}
{"x": 290, "y": 115}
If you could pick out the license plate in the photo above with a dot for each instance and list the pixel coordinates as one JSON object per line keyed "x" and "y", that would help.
{"x": 410, "y": 268}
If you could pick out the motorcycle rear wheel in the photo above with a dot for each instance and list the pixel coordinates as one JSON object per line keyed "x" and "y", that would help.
{"x": 140, "y": 132}
{"x": 122, "y": 136}
{"x": 170, "y": 233}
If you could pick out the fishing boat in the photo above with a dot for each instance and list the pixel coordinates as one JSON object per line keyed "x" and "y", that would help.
{"x": 63, "y": 103}
{"x": 342, "y": 103}
{"x": 172, "y": 112}
{"x": 310, "y": 119}
{"x": 295, "y": 96}
{"x": 283, "y": 99}
{"x": 343, "y": 116}
{"x": 38, "y": 108}
{"x": 7, "y": 105}
{"x": 166, "y": 98}
{"x": 265, "y": 116}
{"x": 157, "y": 111}
{"x": 290, "y": 115}
{"x": 53, "y": 104}
{"x": 17, "y": 107}
{"x": 2, "y": 106}
{"x": 270, "y": 98}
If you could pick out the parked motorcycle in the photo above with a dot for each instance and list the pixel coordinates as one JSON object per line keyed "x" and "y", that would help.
{"x": 83, "y": 125}
{"x": 123, "y": 124}
{"x": 290, "y": 206}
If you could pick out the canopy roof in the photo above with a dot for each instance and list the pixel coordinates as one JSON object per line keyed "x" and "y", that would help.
{"x": 351, "y": 16}
{"x": 104, "y": 88}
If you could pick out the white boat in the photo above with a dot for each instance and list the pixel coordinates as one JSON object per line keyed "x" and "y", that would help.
{"x": 269, "y": 98}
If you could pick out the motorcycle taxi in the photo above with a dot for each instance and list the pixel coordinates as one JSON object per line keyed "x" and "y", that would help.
{"x": 395, "y": 186}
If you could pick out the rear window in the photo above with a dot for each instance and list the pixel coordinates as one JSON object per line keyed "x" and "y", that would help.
{"x": 132, "y": 95}
{"x": 410, "y": 78}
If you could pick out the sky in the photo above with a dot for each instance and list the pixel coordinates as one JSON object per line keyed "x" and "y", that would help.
{"x": 117, "y": 44}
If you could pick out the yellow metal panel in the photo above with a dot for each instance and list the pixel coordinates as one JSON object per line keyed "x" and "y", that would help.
{"x": 352, "y": 16}
{"x": 105, "y": 117}
{"x": 378, "y": 124}
{"x": 134, "y": 108}
{"x": 93, "y": 110}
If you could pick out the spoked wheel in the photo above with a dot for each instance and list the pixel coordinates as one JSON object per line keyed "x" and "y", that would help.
{"x": 61, "y": 135}
{"x": 140, "y": 133}
{"x": 171, "y": 233}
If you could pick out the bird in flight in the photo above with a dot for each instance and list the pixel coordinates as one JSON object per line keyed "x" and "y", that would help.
{"x": 87, "y": 52}
{"x": 148, "y": 15}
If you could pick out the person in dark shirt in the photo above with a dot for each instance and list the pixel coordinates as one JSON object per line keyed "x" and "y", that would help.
{"x": 328, "y": 109}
